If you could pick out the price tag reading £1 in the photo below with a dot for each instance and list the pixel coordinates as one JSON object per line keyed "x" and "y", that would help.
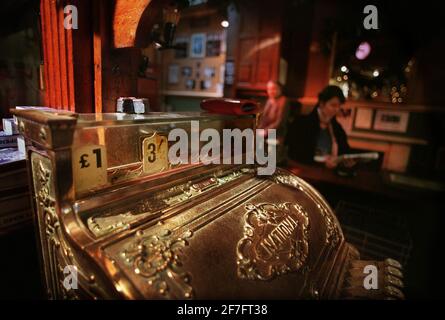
{"x": 89, "y": 167}
{"x": 155, "y": 153}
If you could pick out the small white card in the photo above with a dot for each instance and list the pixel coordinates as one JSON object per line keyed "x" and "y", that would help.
{"x": 155, "y": 153}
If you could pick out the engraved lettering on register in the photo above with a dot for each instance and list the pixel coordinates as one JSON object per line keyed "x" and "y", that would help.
{"x": 275, "y": 240}
{"x": 333, "y": 232}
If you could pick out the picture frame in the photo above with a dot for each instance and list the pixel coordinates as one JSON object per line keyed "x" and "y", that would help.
{"x": 391, "y": 121}
{"x": 190, "y": 84}
{"x": 213, "y": 45}
{"x": 187, "y": 71}
{"x": 182, "y": 47}
{"x": 198, "y": 45}
{"x": 209, "y": 72}
{"x": 181, "y": 50}
{"x": 363, "y": 118}
{"x": 173, "y": 74}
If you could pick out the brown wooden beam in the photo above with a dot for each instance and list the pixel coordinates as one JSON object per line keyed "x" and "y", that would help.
{"x": 67, "y": 57}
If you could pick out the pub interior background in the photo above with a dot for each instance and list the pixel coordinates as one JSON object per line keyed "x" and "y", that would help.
{"x": 395, "y": 103}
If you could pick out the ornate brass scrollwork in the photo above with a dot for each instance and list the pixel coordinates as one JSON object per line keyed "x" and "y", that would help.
{"x": 275, "y": 240}
{"x": 157, "y": 258}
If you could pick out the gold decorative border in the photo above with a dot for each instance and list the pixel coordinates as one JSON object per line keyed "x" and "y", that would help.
{"x": 158, "y": 259}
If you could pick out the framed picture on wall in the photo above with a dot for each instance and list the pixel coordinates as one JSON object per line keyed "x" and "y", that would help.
{"x": 391, "y": 120}
{"x": 182, "y": 46}
{"x": 181, "y": 50}
{"x": 186, "y": 71}
{"x": 190, "y": 84}
{"x": 209, "y": 72}
{"x": 173, "y": 74}
{"x": 197, "y": 45}
{"x": 213, "y": 45}
{"x": 363, "y": 118}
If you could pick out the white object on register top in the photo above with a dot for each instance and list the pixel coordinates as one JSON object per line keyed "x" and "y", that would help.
{"x": 141, "y": 105}
{"x": 9, "y": 127}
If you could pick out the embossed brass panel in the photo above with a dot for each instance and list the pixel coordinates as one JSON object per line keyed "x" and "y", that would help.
{"x": 275, "y": 240}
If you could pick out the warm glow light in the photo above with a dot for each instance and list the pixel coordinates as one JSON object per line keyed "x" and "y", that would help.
{"x": 224, "y": 23}
{"x": 376, "y": 73}
{"x": 363, "y": 51}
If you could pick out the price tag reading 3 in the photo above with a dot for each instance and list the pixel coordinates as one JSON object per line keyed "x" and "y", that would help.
{"x": 155, "y": 153}
{"x": 89, "y": 167}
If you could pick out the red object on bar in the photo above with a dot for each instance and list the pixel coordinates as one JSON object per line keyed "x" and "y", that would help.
{"x": 230, "y": 106}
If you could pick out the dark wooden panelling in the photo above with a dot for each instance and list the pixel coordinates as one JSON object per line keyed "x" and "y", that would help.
{"x": 258, "y": 44}
{"x": 83, "y": 72}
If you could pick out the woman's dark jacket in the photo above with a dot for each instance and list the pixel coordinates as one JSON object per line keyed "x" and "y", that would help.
{"x": 303, "y": 134}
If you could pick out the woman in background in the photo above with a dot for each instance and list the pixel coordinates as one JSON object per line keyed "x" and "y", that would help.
{"x": 274, "y": 116}
{"x": 318, "y": 136}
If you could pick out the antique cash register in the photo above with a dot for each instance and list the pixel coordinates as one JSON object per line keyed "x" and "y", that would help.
{"x": 109, "y": 205}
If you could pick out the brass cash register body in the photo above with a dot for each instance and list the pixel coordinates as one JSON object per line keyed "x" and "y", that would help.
{"x": 185, "y": 231}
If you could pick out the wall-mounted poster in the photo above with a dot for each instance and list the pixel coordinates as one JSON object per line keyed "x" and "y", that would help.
{"x": 173, "y": 74}
{"x": 197, "y": 47}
